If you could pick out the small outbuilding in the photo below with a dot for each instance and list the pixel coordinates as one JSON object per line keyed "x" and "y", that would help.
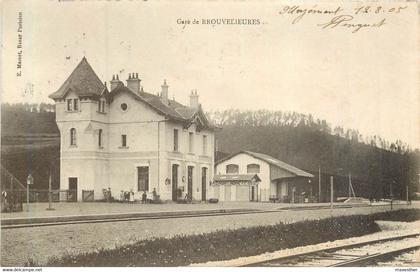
{"x": 233, "y": 187}
{"x": 277, "y": 180}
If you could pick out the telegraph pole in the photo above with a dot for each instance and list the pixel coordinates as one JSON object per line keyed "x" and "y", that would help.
{"x": 349, "y": 184}
{"x": 319, "y": 184}
{"x": 332, "y": 192}
{"x": 390, "y": 193}
{"x": 49, "y": 194}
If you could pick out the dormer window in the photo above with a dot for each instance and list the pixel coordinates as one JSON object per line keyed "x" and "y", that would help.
{"x": 69, "y": 104}
{"x": 73, "y": 104}
{"x": 101, "y": 106}
{"x": 76, "y": 104}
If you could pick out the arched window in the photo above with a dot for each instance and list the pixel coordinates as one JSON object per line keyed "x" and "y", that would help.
{"x": 232, "y": 169}
{"x": 253, "y": 168}
{"x": 73, "y": 136}
{"x": 100, "y": 138}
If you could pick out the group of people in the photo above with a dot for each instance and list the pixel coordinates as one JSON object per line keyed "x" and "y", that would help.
{"x": 128, "y": 196}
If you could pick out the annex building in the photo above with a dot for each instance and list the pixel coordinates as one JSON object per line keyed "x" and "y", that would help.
{"x": 124, "y": 138}
{"x": 252, "y": 176}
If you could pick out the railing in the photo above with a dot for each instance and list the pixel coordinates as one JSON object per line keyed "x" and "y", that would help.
{"x": 42, "y": 195}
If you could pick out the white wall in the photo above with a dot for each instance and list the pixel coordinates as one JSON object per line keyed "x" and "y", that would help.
{"x": 116, "y": 167}
{"x": 242, "y": 160}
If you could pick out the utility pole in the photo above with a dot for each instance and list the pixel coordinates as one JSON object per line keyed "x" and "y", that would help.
{"x": 332, "y": 192}
{"x": 49, "y": 194}
{"x": 29, "y": 181}
{"x": 349, "y": 184}
{"x": 319, "y": 184}
{"x": 390, "y": 192}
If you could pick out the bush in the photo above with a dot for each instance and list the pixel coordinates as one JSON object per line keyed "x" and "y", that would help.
{"x": 228, "y": 244}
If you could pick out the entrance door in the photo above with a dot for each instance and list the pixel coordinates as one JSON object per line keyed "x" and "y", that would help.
{"x": 174, "y": 182}
{"x": 203, "y": 183}
{"x": 72, "y": 189}
{"x": 252, "y": 193}
{"x": 227, "y": 193}
{"x": 190, "y": 181}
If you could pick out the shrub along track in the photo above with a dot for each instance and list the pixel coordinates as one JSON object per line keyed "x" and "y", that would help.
{"x": 229, "y": 244}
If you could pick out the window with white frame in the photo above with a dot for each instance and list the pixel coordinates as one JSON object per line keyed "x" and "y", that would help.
{"x": 204, "y": 144}
{"x": 191, "y": 142}
{"x": 100, "y": 138}
{"x": 176, "y": 140}
{"x": 101, "y": 106}
{"x": 123, "y": 140}
{"x": 253, "y": 168}
{"x": 232, "y": 169}
{"x": 73, "y": 140}
{"x": 73, "y": 104}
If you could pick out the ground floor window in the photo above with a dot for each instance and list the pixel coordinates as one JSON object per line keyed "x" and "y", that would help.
{"x": 142, "y": 178}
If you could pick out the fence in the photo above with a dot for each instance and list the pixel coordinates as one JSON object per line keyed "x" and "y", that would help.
{"x": 42, "y": 195}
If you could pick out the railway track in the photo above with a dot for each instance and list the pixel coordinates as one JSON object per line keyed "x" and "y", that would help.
{"x": 356, "y": 254}
{"x": 137, "y": 218}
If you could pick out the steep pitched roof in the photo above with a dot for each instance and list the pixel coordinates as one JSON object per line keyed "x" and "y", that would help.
{"x": 83, "y": 80}
{"x": 272, "y": 161}
{"x": 173, "y": 110}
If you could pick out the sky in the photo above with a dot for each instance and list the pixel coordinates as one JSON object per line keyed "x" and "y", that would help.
{"x": 368, "y": 80}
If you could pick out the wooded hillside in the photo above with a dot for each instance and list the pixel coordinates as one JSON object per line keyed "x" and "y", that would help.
{"x": 30, "y": 135}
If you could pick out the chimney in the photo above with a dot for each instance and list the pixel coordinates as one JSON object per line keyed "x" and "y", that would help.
{"x": 194, "y": 99}
{"x": 133, "y": 82}
{"x": 164, "y": 93}
{"x": 114, "y": 82}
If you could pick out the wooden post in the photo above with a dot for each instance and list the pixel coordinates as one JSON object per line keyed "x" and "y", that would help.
{"x": 319, "y": 184}
{"x": 332, "y": 192}
{"x": 390, "y": 193}
{"x": 349, "y": 184}
{"x": 406, "y": 189}
{"x": 49, "y": 194}
{"x": 27, "y": 197}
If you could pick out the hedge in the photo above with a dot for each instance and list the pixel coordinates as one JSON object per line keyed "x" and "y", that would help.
{"x": 183, "y": 250}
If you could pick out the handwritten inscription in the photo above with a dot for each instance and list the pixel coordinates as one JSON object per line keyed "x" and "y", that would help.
{"x": 339, "y": 17}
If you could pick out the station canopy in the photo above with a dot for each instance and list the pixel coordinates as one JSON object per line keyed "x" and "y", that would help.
{"x": 234, "y": 179}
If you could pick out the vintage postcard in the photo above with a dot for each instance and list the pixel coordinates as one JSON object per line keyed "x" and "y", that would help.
{"x": 208, "y": 134}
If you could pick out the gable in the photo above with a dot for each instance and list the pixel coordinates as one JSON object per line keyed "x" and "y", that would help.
{"x": 242, "y": 160}
{"x": 137, "y": 111}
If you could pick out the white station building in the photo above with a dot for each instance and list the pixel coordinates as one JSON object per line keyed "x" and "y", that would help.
{"x": 124, "y": 138}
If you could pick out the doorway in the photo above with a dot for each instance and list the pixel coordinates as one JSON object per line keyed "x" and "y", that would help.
{"x": 72, "y": 189}
{"x": 227, "y": 193}
{"x": 190, "y": 181}
{"x": 174, "y": 182}
{"x": 203, "y": 183}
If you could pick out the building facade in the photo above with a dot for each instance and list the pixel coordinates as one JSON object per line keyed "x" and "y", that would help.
{"x": 279, "y": 181}
{"x": 124, "y": 138}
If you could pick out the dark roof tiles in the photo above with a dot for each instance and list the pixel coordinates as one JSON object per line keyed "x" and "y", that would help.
{"x": 83, "y": 80}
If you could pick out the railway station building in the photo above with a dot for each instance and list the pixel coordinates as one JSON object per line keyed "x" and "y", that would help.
{"x": 125, "y": 138}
